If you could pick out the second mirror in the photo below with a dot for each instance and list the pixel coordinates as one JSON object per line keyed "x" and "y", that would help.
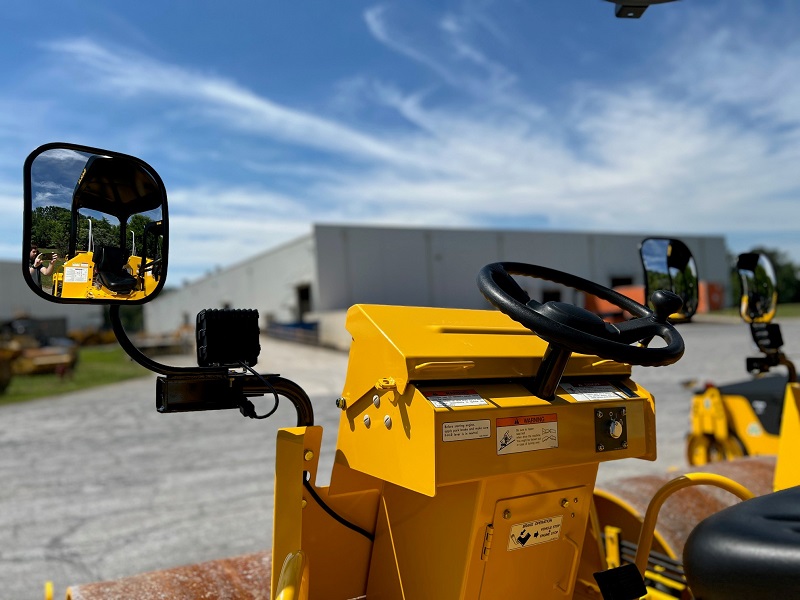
{"x": 95, "y": 226}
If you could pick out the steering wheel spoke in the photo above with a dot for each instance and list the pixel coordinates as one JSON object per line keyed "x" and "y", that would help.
{"x": 637, "y": 330}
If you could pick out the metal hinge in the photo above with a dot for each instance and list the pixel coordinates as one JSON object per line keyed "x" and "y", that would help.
{"x": 487, "y": 541}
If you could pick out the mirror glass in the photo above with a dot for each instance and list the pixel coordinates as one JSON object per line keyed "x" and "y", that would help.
{"x": 669, "y": 265}
{"x": 95, "y": 226}
{"x": 759, "y": 288}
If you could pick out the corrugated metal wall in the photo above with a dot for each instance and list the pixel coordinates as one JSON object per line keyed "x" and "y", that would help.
{"x": 345, "y": 265}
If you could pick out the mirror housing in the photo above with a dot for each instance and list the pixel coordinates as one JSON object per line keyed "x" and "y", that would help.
{"x": 669, "y": 265}
{"x": 102, "y": 216}
{"x": 759, "y": 300}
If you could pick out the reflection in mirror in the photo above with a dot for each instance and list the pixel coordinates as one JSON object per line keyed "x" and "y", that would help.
{"x": 96, "y": 225}
{"x": 759, "y": 288}
{"x": 669, "y": 265}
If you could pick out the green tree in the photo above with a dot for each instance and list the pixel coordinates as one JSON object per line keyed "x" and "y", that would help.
{"x": 137, "y": 224}
{"x": 105, "y": 233}
{"x": 50, "y": 227}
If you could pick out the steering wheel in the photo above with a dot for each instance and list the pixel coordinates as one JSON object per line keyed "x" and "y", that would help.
{"x": 576, "y": 329}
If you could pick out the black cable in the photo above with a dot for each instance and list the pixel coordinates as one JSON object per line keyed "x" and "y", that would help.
{"x": 248, "y": 409}
{"x": 329, "y": 510}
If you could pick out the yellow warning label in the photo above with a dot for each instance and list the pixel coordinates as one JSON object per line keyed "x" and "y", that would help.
{"x": 533, "y": 533}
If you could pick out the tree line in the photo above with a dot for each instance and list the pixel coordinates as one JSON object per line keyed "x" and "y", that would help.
{"x": 50, "y": 228}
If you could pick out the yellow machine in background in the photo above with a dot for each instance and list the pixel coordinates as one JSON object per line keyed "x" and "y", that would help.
{"x": 744, "y": 418}
{"x": 110, "y": 276}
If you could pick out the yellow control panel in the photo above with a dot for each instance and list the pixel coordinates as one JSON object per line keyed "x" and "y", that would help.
{"x": 442, "y": 396}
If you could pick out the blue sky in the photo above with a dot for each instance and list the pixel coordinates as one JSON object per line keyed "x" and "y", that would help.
{"x": 264, "y": 117}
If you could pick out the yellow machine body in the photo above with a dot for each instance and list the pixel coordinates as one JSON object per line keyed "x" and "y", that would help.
{"x": 472, "y": 486}
{"x": 454, "y": 480}
{"x": 714, "y": 420}
{"x": 787, "y": 470}
{"x": 76, "y": 279}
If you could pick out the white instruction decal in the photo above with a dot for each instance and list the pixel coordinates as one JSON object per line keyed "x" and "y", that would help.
{"x": 587, "y": 392}
{"x": 451, "y": 398}
{"x": 76, "y": 275}
{"x": 526, "y": 434}
{"x": 466, "y": 430}
{"x": 532, "y": 533}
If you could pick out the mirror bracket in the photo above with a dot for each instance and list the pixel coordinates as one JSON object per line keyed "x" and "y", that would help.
{"x": 191, "y": 389}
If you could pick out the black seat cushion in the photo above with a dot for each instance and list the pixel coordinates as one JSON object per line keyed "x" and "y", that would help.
{"x": 749, "y": 550}
{"x": 109, "y": 267}
{"x": 765, "y": 395}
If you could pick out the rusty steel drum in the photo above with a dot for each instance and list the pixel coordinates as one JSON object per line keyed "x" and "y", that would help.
{"x": 623, "y": 503}
{"x": 244, "y": 577}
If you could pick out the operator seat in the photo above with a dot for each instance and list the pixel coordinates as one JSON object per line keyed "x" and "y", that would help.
{"x": 748, "y": 550}
{"x": 765, "y": 395}
{"x": 109, "y": 267}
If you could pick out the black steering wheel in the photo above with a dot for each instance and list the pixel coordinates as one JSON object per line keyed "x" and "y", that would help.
{"x": 576, "y": 329}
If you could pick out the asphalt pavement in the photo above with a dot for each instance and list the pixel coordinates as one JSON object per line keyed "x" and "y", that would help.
{"x": 97, "y": 485}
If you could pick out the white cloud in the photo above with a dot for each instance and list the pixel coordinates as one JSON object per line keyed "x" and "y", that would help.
{"x": 706, "y": 145}
{"x": 130, "y": 74}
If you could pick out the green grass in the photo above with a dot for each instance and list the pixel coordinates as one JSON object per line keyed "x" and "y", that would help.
{"x": 97, "y": 365}
{"x": 785, "y": 311}
{"x": 788, "y": 311}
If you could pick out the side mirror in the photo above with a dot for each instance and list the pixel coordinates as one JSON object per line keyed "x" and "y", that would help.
{"x": 759, "y": 288}
{"x": 669, "y": 265}
{"x": 95, "y": 226}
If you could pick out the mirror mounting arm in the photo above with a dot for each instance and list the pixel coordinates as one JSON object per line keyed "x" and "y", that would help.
{"x": 189, "y": 389}
{"x": 147, "y": 362}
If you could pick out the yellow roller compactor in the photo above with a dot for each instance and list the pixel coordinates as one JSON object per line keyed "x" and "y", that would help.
{"x": 468, "y": 448}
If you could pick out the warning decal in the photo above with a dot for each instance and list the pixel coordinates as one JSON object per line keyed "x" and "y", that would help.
{"x": 466, "y": 430}
{"x": 532, "y": 533}
{"x": 76, "y": 275}
{"x": 451, "y": 398}
{"x": 587, "y": 392}
{"x": 526, "y": 433}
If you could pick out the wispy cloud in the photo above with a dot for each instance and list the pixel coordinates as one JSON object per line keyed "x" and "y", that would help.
{"x": 128, "y": 73}
{"x": 707, "y": 145}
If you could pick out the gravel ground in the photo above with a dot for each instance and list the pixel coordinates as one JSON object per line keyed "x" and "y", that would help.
{"x": 98, "y": 485}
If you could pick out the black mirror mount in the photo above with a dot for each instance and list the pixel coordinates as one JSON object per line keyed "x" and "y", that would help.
{"x": 86, "y": 206}
{"x": 191, "y": 389}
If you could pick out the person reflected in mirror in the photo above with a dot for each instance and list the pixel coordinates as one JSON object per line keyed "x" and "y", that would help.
{"x": 37, "y": 267}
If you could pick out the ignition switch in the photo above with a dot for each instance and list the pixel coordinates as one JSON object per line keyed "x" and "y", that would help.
{"x": 610, "y": 429}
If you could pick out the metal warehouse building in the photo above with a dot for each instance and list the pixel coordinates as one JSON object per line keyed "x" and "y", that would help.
{"x": 317, "y": 277}
{"x": 17, "y": 300}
